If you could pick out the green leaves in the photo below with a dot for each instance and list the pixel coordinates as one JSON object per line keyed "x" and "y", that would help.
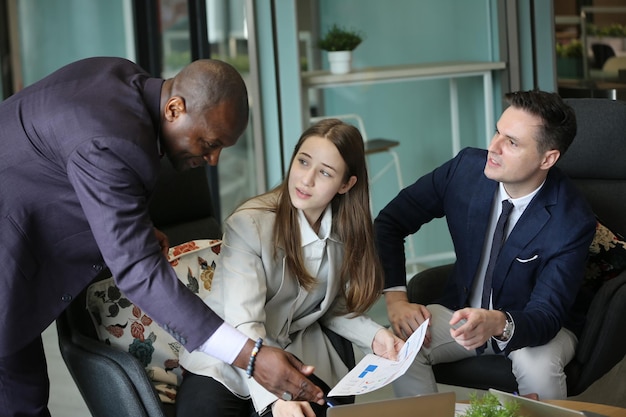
{"x": 574, "y": 49}
{"x": 613, "y": 30}
{"x": 340, "y": 39}
{"x": 489, "y": 406}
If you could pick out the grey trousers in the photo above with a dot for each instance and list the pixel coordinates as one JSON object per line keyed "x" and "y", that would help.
{"x": 538, "y": 369}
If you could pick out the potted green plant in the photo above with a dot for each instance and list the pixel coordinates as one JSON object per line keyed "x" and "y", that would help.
{"x": 339, "y": 42}
{"x": 489, "y": 406}
{"x": 569, "y": 59}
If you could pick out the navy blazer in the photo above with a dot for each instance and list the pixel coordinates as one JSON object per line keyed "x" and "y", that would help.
{"x": 78, "y": 164}
{"x": 541, "y": 265}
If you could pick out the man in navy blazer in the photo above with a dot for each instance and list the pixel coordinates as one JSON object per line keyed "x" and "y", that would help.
{"x": 538, "y": 272}
{"x": 80, "y": 159}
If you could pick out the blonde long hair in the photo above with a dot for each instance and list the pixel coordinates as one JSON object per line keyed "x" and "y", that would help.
{"x": 361, "y": 273}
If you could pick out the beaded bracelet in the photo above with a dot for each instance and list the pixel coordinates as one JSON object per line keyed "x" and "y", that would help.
{"x": 255, "y": 351}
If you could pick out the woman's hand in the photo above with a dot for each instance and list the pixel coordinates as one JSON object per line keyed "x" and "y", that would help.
{"x": 387, "y": 345}
{"x": 292, "y": 408}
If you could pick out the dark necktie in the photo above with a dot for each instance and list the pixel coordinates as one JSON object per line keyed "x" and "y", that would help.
{"x": 496, "y": 245}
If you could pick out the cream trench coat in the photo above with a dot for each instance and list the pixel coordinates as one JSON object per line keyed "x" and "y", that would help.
{"x": 253, "y": 291}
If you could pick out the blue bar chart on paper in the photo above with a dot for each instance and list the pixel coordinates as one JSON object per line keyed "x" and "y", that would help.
{"x": 374, "y": 372}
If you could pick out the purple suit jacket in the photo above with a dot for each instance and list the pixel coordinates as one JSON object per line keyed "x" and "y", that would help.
{"x": 541, "y": 265}
{"x": 78, "y": 164}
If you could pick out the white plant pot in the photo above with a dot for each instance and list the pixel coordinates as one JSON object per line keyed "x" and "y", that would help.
{"x": 340, "y": 61}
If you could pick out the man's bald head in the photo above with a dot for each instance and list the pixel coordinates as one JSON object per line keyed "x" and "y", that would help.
{"x": 205, "y": 83}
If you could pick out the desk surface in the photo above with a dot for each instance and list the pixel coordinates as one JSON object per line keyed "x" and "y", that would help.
{"x": 607, "y": 410}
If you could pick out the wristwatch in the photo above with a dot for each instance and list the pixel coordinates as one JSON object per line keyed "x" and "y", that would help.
{"x": 508, "y": 328}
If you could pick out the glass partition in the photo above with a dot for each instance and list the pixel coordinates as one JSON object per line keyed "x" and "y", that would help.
{"x": 227, "y": 38}
{"x": 591, "y": 48}
{"x": 52, "y": 34}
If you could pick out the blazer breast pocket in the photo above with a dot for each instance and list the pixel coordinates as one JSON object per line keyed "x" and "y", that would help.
{"x": 527, "y": 260}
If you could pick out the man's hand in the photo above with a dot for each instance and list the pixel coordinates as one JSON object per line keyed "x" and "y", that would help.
{"x": 405, "y": 317}
{"x": 387, "y": 345}
{"x": 472, "y": 327}
{"x": 280, "y": 372}
{"x": 164, "y": 242}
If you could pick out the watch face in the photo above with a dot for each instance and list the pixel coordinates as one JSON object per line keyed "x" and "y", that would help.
{"x": 509, "y": 325}
{"x": 508, "y": 328}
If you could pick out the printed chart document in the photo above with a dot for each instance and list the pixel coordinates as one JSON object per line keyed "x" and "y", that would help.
{"x": 374, "y": 372}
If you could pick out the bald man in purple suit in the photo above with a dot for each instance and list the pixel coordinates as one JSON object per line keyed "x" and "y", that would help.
{"x": 80, "y": 158}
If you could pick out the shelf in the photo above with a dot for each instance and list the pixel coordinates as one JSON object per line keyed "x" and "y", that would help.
{"x": 437, "y": 70}
{"x": 567, "y": 20}
{"x": 324, "y": 79}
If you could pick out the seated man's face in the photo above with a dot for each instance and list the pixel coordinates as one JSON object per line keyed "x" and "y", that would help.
{"x": 513, "y": 157}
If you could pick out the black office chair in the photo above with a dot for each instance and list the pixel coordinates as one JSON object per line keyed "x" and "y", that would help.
{"x": 601, "y": 52}
{"x": 595, "y": 162}
{"x": 181, "y": 206}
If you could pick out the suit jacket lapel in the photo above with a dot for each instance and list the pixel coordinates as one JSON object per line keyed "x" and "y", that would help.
{"x": 528, "y": 226}
{"x": 477, "y": 222}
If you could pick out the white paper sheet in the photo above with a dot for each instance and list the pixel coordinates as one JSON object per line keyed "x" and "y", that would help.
{"x": 374, "y": 372}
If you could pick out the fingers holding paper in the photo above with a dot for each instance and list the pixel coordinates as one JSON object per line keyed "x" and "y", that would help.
{"x": 387, "y": 345}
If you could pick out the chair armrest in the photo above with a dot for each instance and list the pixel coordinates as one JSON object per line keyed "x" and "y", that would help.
{"x": 600, "y": 346}
{"x": 428, "y": 285}
{"x": 111, "y": 382}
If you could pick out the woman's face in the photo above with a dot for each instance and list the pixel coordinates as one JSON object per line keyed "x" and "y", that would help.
{"x": 316, "y": 175}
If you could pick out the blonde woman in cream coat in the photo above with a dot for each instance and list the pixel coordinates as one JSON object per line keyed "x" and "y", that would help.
{"x": 293, "y": 260}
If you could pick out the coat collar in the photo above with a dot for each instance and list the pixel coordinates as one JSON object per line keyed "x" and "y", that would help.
{"x": 307, "y": 234}
{"x": 533, "y": 220}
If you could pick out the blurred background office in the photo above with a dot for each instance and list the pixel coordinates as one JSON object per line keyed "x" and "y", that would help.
{"x": 432, "y": 107}
{"x": 273, "y": 44}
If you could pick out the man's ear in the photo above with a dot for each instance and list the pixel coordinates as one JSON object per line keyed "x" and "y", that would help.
{"x": 174, "y": 107}
{"x": 550, "y": 158}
